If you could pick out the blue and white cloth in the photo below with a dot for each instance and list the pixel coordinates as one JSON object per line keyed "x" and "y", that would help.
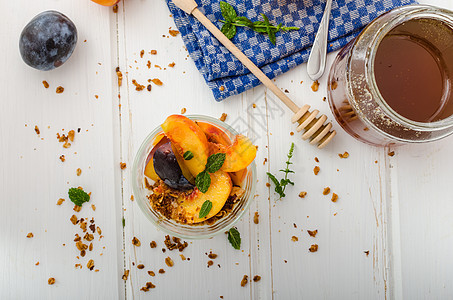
{"x": 226, "y": 76}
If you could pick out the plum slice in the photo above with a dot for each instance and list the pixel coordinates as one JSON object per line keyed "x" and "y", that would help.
{"x": 168, "y": 169}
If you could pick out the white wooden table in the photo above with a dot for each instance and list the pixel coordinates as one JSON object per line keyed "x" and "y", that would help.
{"x": 398, "y": 208}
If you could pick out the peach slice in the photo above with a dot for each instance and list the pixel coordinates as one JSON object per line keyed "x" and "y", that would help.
{"x": 214, "y": 134}
{"x": 149, "y": 169}
{"x": 106, "y": 2}
{"x": 186, "y": 135}
{"x": 239, "y": 155}
{"x": 218, "y": 194}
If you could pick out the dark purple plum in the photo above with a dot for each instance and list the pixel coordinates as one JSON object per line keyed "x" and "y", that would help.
{"x": 48, "y": 40}
{"x": 168, "y": 169}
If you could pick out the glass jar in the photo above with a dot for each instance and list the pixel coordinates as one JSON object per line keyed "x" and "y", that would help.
{"x": 187, "y": 231}
{"x": 353, "y": 93}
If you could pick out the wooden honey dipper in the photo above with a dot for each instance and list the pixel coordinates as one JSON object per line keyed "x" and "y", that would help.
{"x": 315, "y": 129}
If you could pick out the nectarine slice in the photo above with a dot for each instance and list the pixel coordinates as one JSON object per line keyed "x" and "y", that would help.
{"x": 218, "y": 194}
{"x": 149, "y": 169}
{"x": 106, "y": 2}
{"x": 214, "y": 134}
{"x": 186, "y": 135}
{"x": 239, "y": 155}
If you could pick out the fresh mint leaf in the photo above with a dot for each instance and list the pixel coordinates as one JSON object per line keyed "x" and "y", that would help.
{"x": 78, "y": 196}
{"x": 215, "y": 162}
{"x": 188, "y": 155}
{"x": 229, "y": 30}
{"x": 203, "y": 181}
{"x": 235, "y": 238}
{"x": 244, "y": 21}
{"x": 260, "y": 26}
{"x": 281, "y": 185}
{"x": 272, "y": 38}
{"x": 205, "y": 209}
{"x": 124, "y": 222}
{"x": 228, "y": 11}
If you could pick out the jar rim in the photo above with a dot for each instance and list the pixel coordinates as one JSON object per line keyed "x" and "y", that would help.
{"x": 409, "y": 12}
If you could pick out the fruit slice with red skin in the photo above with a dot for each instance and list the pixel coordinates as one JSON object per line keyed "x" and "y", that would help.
{"x": 149, "y": 169}
{"x": 218, "y": 193}
{"x": 239, "y": 155}
{"x": 186, "y": 135}
{"x": 214, "y": 134}
{"x": 106, "y": 2}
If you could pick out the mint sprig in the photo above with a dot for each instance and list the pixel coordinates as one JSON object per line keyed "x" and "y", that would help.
{"x": 214, "y": 163}
{"x": 78, "y": 196}
{"x": 234, "y": 237}
{"x": 280, "y": 186}
{"x": 232, "y": 20}
{"x": 205, "y": 209}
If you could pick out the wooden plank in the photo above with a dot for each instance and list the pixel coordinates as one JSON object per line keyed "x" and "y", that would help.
{"x": 141, "y": 27}
{"x": 346, "y": 229}
{"x": 33, "y": 178}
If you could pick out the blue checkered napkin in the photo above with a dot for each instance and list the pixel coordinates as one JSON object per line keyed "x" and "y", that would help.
{"x": 226, "y": 76}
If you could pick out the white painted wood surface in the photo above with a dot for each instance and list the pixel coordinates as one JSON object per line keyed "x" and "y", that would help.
{"x": 398, "y": 208}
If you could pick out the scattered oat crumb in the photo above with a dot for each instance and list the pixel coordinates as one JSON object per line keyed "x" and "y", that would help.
{"x": 313, "y": 248}
{"x": 182, "y": 256}
{"x": 119, "y": 75}
{"x": 302, "y": 194}
{"x": 169, "y": 261}
{"x": 148, "y": 286}
{"x": 161, "y": 271}
{"x": 138, "y": 87}
{"x": 30, "y": 235}
{"x": 46, "y": 85}
{"x": 151, "y": 273}
{"x": 344, "y": 155}
{"x": 268, "y": 184}
{"x": 37, "y": 130}
{"x": 136, "y": 242}
{"x": 115, "y": 8}
{"x": 316, "y": 159}
{"x": 90, "y": 265}
{"x": 366, "y": 252}
{"x": 79, "y": 172}
{"x": 153, "y": 244}
{"x": 77, "y": 208}
{"x": 291, "y": 133}
{"x": 60, "y": 90}
{"x": 326, "y": 191}
{"x": 122, "y": 166}
{"x": 244, "y": 280}
{"x": 265, "y": 161}
{"x": 158, "y": 67}
{"x": 51, "y": 281}
{"x": 212, "y": 255}
{"x": 142, "y": 52}
{"x": 294, "y": 238}
{"x": 256, "y": 278}
{"x": 334, "y": 197}
{"x": 223, "y": 117}
{"x": 140, "y": 266}
{"x": 149, "y": 87}
{"x": 210, "y": 263}
{"x": 153, "y": 52}
{"x": 157, "y": 81}
{"x": 366, "y": 129}
{"x": 312, "y": 233}
{"x": 132, "y": 197}
{"x": 316, "y": 170}
{"x": 256, "y": 218}
{"x": 62, "y": 158}
{"x": 37, "y": 263}
{"x": 60, "y": 201}
{"x": 391, "y": 153}
{"x": 286, "y": 91}
{"x": 221, "y": 88}
{"x": 315, "y": 86}
{"x": 125, "y": 275}
{"x": 73, "y": 219}
{"x": 183, "y": 110}
{"x": 93, "y": 207}
{"x": 171, "y": 65}
{"x": 334, "y": 85}
{"x": 173, "y": 32}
